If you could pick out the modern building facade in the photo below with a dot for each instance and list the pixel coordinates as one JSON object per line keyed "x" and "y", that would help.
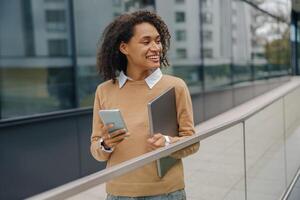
{"x": 48, "y": 48}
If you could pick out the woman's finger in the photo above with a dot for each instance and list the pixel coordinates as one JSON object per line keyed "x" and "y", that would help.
{"x": 106, "y": 136}
{"x": 118, "y": 132}
{"x": 117, "y": 139}
{"x": 160, "y": 142}
{"x": 157, "y": 136}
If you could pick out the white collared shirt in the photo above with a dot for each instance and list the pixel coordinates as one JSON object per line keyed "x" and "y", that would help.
{"x": 151, "y": 80}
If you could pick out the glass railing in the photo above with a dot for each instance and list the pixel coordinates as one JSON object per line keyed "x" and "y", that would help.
{"x": 250, "y": 152}
{"x": 217, "y": 170}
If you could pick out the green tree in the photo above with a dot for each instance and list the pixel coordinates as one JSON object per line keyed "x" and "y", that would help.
{"x": 278, "y": 51}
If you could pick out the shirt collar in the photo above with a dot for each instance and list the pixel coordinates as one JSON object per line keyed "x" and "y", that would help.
{"x": 151, "y": 80}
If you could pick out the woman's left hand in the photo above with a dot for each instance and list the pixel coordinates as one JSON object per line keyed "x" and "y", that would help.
{"x": 156, "y": 141}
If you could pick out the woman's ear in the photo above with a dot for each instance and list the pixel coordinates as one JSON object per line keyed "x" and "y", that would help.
{"x": 123, "y": 48}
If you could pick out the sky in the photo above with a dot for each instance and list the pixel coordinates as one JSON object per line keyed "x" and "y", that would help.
{"x": 271, "y": 29}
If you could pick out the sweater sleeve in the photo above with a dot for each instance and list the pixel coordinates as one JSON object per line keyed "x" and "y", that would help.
{"x": 96, "y": 150}
{"x": 185, "y": 120}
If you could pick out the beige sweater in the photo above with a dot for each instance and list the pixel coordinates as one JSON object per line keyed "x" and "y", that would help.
{"x": 132, "y": 101}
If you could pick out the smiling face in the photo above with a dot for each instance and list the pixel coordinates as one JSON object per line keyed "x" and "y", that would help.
{"x": 143, "y": 50}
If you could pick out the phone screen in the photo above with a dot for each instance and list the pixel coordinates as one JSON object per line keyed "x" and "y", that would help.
{"x": 114, "y": 117}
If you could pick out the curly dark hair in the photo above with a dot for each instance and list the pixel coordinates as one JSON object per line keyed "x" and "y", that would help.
{"x": 110, "y": 60}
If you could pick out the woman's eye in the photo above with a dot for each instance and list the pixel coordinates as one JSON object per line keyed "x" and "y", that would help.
{"x": 146, "y": 42}
{"x": 158, "y": 42}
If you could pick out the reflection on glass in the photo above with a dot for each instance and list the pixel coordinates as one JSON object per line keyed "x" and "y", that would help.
{"x": 33, "y": 90}
{"x": 270, "y": 41}
{"x": 237, "y": 44}
{"x": 261, "y": 71}
{"x": 265, "y": 162}
{"x": 242, "y": 73}
{"x": 190, "y": 74}
{"x": 88, "y": 81}
{"x": 216, "y": 76}
{"x": 59, "y": 86}
{"x": 36, "y": 73}
{"x": 92, "y": 16}
{"x": 216, "y": 172}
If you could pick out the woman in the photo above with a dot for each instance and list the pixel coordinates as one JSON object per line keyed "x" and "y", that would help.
{"x": 133, "y": 48}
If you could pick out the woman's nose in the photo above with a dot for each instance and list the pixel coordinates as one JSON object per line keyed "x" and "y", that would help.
{"x": 155, "y": 46}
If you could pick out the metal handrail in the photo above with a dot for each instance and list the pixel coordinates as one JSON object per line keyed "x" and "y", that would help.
{"x": 206, "y": 129}
{"x": 289, "y": 189}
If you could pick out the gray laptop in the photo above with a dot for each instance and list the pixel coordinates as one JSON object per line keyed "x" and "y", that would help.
{"x": 163, "y": 115}
{"x": 163, "y": 119}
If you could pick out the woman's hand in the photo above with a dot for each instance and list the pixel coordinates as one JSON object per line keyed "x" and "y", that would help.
{"x": 110, "y": 140}
{"x": 156, "y": 141}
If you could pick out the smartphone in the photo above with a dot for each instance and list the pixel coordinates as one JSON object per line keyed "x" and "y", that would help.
{"x": 113, "y": 116}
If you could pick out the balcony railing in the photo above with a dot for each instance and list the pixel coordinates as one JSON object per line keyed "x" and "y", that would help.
{"x": 249, "y": 152}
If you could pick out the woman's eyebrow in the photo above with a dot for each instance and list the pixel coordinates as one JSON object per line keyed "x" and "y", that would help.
{"x": 147, "y": 37}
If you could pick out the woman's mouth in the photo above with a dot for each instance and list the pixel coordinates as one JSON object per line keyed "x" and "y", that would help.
{"x": 154, "y": 58}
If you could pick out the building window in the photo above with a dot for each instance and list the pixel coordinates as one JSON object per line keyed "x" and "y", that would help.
{"x": 55, "y": 16}
{"x": 179, "y": 1}
{"x": 117, "y": 2}
{"x": 57, "y": 47}
{"x": 234, "y": 40}
{"x": 207, "y": 53}
{"x": 181, "y": 53}
{"x": 56, "y": 20}
{"x": 207, "y": 36}
{"x": 54, "y": 1}
{"x": 206, "y": 3}
{"x": 233, "y": 26}
{"x": 180, "y": 35}
{"x": 234, "y": 12}
{"x": 180, "y": 17}
{"x": 116, "y": 14}
{"x": 207, "y": 18}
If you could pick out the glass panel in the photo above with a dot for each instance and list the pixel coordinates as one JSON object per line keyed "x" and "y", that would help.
{"x": 265, "y": 162}
{"x": 216, "y": 76}
{"x": 234, "y": 41}
{"x": 270, "y": 39}
{"x": 292, "y": 123}
{"x": 88, "y": 31}
{"x": 216, "y": 171}
{"x": 241, "y": 73}
{"x": 190, "y": 74}
{"x": 279, "y": 51}
{"x": 261, "y": 71}
{"x": 33, "y": 90}
{"x": 216, "y": 46}
{"x": 36, "y": 68}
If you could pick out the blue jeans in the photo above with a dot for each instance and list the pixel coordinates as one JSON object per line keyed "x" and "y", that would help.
{"x": 177, "y": 195}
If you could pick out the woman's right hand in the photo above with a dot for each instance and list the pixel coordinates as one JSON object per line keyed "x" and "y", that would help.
{"x": 110, "y": 140}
